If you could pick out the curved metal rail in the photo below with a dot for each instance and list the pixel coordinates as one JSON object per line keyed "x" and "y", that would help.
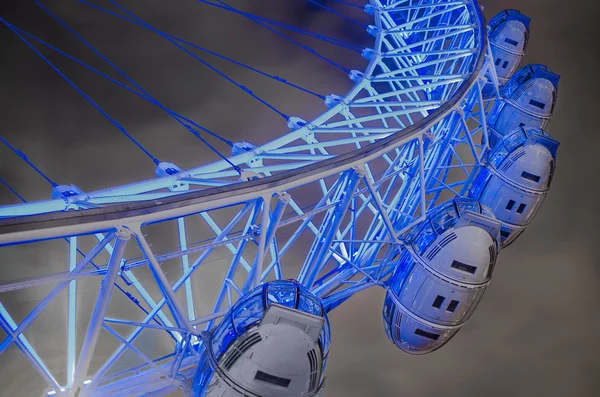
{"x": 303, "y": 174}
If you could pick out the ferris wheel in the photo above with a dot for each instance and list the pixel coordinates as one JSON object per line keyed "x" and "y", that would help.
{"x": 435, "y": 160}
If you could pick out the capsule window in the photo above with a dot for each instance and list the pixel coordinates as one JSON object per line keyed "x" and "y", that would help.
{"x": 531, "y": 177}
{"x": 439, "y": 300}
{"x": 505, "y": 64}
{"x": 504, "y": 233}
{"x": 537, "y": 104}
{"x": 463, "y": 267}
{"x": 425, "y": 334}
{"x": 498, "y": 60}
{"x": 452, "y": 306}
{"x": 521, "y": 208}
{"x": 511, "y": 41}
{"x": 510, "y": 205}
{"x": 275, "y": 380}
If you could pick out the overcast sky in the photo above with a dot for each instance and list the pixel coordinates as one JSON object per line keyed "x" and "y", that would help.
{"x": 535, "y": 332}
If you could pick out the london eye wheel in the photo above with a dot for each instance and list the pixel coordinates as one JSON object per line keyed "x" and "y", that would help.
{"x": 216, "y": 279}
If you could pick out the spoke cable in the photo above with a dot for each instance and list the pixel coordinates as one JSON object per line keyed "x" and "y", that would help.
{"x": 26, "y": 159}
{"x": 229, "y": 8}
{"x": 337, "y": 13}
{"x": 226, "y": 77}
{"x": 148, "y": 95}
{"x": 188, "y": 43}
{"x": 113, "y": 121}
{"x": 135, "y": 92}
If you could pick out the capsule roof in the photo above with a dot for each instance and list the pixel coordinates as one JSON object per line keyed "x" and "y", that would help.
{"x": 509, "y": 15}
{"x": 519, "y": 137}
{"x": 528, "y": 99}
{"x": 250, "y": 309}
{"x": 526, "y": 151}
{"x": 460, "y": 229}
{"x": 526, "y": 74}
{"x": 533, "y": 89}
{"x": 286, "y": 293}
{"x": 444, "y": 217}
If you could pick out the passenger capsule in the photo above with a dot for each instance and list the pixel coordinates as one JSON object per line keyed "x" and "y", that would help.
{"x": 272, "y": 343}
{"x": 516, "y": 178}
{"x": 441, "y": 275}
{"x": 508, "y": 36}
{"x": 528, "y": 100}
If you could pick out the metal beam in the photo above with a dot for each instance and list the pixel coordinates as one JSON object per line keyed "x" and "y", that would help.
{"x": 163, "y": 283}
{"x": 100, "y": 309}
{"x": 330, "y": 226}
{"x": 72, "y": 315}
{"x": 44, "y": 303}
{"x": 185, "y": 264}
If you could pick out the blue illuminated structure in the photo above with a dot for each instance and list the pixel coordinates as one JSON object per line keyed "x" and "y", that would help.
{"x": 357, "y": 197}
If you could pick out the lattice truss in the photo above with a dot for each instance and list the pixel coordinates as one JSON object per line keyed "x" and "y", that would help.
{"x": 327, "y": 204}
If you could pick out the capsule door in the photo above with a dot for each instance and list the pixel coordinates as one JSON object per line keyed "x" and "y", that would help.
{"x": 442, "y": 303}
{"x": 509, "y": 204}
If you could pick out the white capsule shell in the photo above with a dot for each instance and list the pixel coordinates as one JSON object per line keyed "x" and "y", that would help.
{"x": 453, "y": 307}
{"x": 517, "y": 202}
{"x": 516, "y": 183}
{"x": 413, "y": 336}
{"x": 279, "y": 358}
{"x": 531, "y": 167}
{"x": 463, "y": 254}
{"x": 508, "y": 44}
{"x": 432, "y": 295}
{"x": 528, "y": 100}
{"x": 272, "y": 343}
{"x": 511, "y": 117}
{"x": 512, "y": 36}
{"x": 510, "y": 204}
{"x": 536, "y": 97}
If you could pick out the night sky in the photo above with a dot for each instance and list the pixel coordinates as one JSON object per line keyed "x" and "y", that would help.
{"x": 536, "y": 331}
